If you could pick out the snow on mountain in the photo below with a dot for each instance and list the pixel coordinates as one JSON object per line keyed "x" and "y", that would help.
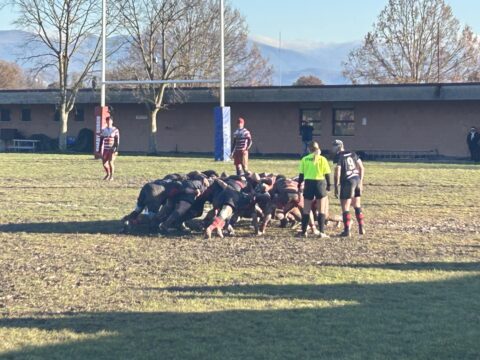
{"x": 293, "y": 60}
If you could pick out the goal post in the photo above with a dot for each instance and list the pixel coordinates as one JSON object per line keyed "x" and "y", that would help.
{"x": 222, "y": 115}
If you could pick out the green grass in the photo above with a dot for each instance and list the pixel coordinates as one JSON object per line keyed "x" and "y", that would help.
{"x": 71, "y": 287}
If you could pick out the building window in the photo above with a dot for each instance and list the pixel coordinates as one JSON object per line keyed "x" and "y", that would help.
{"x": 26, "y": 115}
{"x": 79, "y": 114}
{"x": 343, "y": 122}
{"x": 5, "y": 115}
{"x": 312, "y": 116}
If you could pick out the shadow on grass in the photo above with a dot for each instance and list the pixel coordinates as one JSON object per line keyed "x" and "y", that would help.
{"x": 415, "y": 320}
{"x": 442, "y": 266}
{"x": 69, "y": 227}
{"x": 110, "y": 227}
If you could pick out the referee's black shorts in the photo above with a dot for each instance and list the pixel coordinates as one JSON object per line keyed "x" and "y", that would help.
{"x": 314, "y": 189}
{"x": 350, "y": 188}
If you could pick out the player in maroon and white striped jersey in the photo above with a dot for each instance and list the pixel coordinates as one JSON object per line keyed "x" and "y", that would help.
{"x": 242, "y": 142}
{"x": 109, "y": 142}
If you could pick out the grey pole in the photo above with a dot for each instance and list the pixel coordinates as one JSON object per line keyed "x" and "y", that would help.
{"x": 222, "y": 54}
{"x": 104, "y": 50}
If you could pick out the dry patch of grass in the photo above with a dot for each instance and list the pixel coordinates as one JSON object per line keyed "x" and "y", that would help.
{"x": 72, "y": 287}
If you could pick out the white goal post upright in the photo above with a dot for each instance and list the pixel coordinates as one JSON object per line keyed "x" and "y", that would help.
{"x": 221, "y": 113}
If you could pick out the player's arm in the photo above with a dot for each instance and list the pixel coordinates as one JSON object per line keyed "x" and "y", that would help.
{"x": 361, "y": 172}
{"x": 249, "y": 142}
{"x": 301, "y": 176}
{"x": 336, "y": 178}
{"x": 327, "y": 172}
{"x": 100, "y": 147}
{"x": 233, "y": 146}
{"x": 116, "y": 142}
{"x": 328, "y": 180}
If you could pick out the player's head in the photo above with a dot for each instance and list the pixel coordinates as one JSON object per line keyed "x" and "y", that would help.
{"x": 210, "y": 173}
{"x": 314, "y": 147}
{"x": 338, "y": 146}
{"x": 109, "y": 121}
{"x": 241, "y": 122}
{"x": 473, "y": 129}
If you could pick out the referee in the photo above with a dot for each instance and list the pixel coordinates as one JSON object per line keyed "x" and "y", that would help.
{"x": 315, "y": 171}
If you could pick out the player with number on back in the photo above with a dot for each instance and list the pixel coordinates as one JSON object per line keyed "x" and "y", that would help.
{"x": 349, "y": 174}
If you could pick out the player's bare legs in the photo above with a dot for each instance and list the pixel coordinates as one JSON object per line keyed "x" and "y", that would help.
{"x": 322, "y": 206}
{"x": 107, "y": 169}
{"x": 307, "y": 206}
{"x": 180, "y": 209}
{"x": 111, "y": 164}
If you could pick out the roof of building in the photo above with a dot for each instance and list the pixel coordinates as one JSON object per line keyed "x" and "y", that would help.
{"x": 271, "y": 94}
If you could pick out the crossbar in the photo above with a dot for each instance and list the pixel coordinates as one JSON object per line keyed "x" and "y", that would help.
{"x": 140, "y": 82}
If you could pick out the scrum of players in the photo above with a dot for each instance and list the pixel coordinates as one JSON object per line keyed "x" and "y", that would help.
{"x": 212, "y": 203}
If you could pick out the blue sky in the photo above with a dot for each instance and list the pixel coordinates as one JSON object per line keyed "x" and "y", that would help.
{"x": 314, "y": 21}
{"x": 328, "y": 21}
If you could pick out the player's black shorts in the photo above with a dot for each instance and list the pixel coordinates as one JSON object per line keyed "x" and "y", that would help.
{"x": 350, "y": 188}
{"x": 189, "y": 198}
{"x": 284, "y": 198}
{"x": 315, "y": 189}
{"x": 226, "y": 197}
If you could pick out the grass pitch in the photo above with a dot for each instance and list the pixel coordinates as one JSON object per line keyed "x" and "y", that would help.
{"x": 72, "y": 288}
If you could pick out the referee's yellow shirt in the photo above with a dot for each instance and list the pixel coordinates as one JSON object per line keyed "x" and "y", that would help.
{"x": 312, "y": 170}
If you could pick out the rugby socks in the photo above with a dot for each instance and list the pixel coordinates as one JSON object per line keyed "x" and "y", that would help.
{"x": 347, "y": 219}
{"x": 359, "y": 216}
{"x": 218, "y": 223}
{"x": 305, "y": 221}
{"x": 321, "y": 222}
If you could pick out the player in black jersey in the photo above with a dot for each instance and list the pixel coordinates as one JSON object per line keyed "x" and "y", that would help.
{"x": 349, "y": 174}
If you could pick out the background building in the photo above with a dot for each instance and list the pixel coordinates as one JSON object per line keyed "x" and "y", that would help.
{"x": 370, "y": 118}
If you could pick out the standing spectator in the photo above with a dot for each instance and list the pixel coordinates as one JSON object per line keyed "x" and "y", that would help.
{"x": 306, "y": 132}
{"x": 473, "y": 139}
{"x": 242, "y": 142}
{"x": 109, "y": 142}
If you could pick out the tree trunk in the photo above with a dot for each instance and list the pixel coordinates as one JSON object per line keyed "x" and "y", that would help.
{"x": 152, "y": 143}
{"x": 62, "y": 137}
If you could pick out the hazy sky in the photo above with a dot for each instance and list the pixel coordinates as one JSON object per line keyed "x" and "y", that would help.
{"x": 313, "y": 21}
{"x": 329, "y": 20}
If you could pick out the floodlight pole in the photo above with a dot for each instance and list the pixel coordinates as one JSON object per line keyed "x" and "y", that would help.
{"x": 104, "y": 51}
{"x": 222, "y": 54}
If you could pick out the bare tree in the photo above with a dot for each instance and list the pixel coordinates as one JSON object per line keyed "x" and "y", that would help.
{"x": 62, "y": 37}
{"x": 415, "y": 41}
{"x": 11, "y": 76}
{"x": 179, "y": 39}
{"x": 309, "y": 80}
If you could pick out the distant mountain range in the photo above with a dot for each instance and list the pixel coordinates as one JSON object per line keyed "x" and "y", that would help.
{"x": 322, "y": 61}
{"x": 290, "y": 62}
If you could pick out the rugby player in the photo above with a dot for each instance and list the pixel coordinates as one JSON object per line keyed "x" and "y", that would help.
{"x": 183, "y": 201}
{"x": 349, "y": 173}
{"x": 242, "y": 142}
{"x": 152, "y": 197}
{"x": 109, "y": 142}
